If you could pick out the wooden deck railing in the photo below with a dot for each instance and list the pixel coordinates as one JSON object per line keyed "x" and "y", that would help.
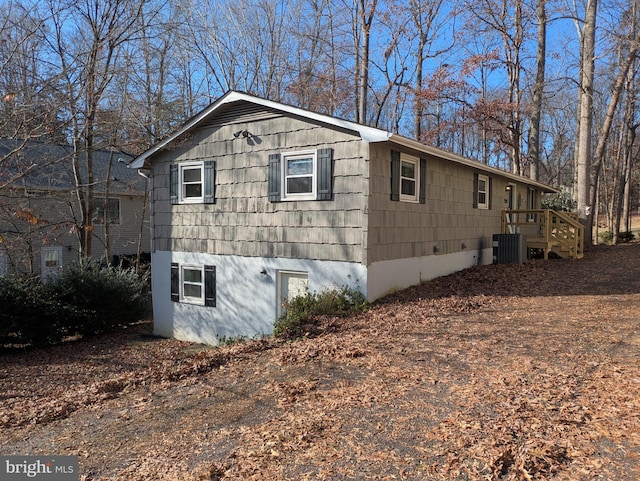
{"x": 546, "y": 229}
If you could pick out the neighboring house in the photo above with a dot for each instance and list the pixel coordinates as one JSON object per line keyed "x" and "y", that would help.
{"x": 39, "y": 216}
{"x": 255, "y": 201}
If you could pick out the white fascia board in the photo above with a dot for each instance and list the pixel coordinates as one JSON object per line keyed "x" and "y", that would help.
{"x": 367, "y": 134}
{"x": 139, "y": 162}
{"x": 412, "y": 144}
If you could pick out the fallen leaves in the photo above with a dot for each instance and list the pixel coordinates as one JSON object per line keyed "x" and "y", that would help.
{"x": 503, "y": 372}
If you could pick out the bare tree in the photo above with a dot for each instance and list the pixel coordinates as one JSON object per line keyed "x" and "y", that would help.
{"x": 507, "y": 20}
{"x": 605, "y": 130}
{"x": 585, "y": 118}
{"x": 538, "y": 91}
{"x": 87, "y": 40}
{"x": 365, "y": 11}
{"x": 318, "y": 80}
{"x": 428, "y": 21}
{"x": 242, "y": 45}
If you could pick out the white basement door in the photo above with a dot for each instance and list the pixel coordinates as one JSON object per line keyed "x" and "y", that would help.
{"x": 290, "y": 285}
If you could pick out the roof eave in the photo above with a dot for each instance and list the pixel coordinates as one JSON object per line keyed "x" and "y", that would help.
{"x": 475, "y": 164}
{"x": 367, "y": 134}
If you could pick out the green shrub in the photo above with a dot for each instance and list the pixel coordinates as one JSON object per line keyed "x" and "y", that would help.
{"x": 559, "y": 202}
{"x": 85, "y": 299}
{"x": 31, "y": 313}
{"x": 301, "y": 311}
{"x": 107, "y": 297}
{"x": 626, "y": 236}
{"x": 607, "y": 236}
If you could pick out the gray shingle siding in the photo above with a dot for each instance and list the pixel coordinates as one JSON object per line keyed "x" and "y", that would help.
{"x": 243, "y": 221}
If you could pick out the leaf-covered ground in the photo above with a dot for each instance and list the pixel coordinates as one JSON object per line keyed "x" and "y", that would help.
{"x": 494, "y": 373}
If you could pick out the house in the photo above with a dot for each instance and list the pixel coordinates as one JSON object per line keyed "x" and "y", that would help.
{"x": 255, "y": 201}
{"x": 39, "y": 215}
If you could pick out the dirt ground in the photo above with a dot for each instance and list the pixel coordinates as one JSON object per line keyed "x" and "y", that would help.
{"x": 494, "y": 373}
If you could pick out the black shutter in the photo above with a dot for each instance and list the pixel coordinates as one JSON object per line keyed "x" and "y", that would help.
{"x": 475, "y": 190}
{"x": 490, "y": 193}
{"x": 275, "y": 177}
{"x": 210, "y": 286}
{"x": 423, "y": 181}
{"x": 325, "y": 174}
{"x": 175, "y": 282}
{"x": 209, "y": 182}
{"x": 174, "y": 182}
{"x": 395, "y": 175}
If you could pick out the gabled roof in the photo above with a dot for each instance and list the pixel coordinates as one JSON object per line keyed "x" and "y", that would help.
{"x": 43, "y": 166}
{"x": 367, "y": 134}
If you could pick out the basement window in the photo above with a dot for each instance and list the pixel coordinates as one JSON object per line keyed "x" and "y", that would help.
{"x": 193, "y": 284}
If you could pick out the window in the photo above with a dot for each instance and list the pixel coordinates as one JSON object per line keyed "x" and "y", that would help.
{"x": 408, "y": 178}
{"x": 481, "y": 191}
{"x": 193, "y": 284}
{"x": 299, "y": 173}
{"x": 102, "y": 206}
{"x": 483, "y": 188}
{"x": 306, "y": 175}
{"x": 51, "y": 262}
{"x": 192, "y": 182}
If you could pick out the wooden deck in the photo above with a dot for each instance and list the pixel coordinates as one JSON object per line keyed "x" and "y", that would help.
{"x": 548, "y": 230}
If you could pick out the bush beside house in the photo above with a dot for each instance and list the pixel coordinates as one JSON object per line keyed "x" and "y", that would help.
{"x": 86, "y": 299}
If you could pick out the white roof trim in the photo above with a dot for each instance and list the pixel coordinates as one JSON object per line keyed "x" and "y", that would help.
{"x": 367, "y": 134}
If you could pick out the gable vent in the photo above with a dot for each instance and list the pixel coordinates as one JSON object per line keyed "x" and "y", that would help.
{"x": 240, "y": 112}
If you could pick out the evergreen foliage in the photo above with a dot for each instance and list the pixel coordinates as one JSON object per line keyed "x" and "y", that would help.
{"x": 86, "y": 299}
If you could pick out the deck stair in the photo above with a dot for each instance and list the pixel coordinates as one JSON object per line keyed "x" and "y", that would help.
{"x": 548, "y": 230}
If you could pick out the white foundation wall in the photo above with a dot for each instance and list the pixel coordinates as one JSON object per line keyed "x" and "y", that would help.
{"x": 246, "y": 298}
{"x": 386, "y": 277}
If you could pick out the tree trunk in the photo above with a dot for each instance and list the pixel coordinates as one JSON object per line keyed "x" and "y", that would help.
{"x": 366, "y": 19}
{"x": 608, "y": 120}
{"x": 538, "y": 91}
{"x": 583, "y": 147}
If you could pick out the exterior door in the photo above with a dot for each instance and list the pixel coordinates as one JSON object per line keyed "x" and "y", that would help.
{"x": 51, "y": 262}
{"x": 511, "y": 195}
{"x": 4, "y": 265}
{"x": 290, "y": 284}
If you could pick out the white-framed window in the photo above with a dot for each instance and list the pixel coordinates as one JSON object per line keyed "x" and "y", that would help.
{"x": 483, "y": 192}
{"x": 100, "y": 208}
{"x": 191, "y": 182}
{"x": 51, "y": 262}
{"x": 302, "y": 175}
{"x": 193, "y": 284}
{"x": 409, "y": 178}
{"x": 299, "y": 175}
